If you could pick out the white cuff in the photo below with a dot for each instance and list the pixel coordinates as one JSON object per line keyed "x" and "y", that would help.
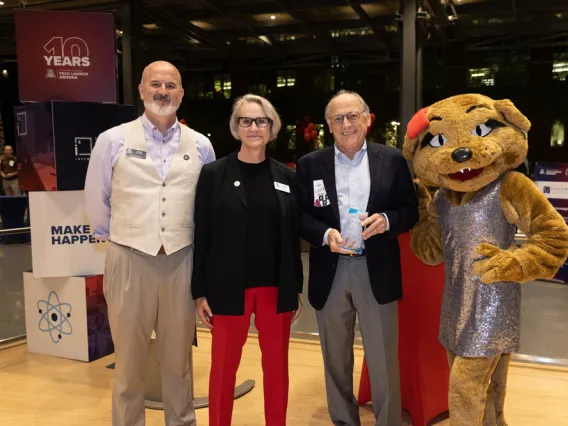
{"x": 387, "y": 219}
{"x": 325, "y": 237}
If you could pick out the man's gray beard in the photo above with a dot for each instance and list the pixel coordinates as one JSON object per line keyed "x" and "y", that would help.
{"x": 155, "y": 108}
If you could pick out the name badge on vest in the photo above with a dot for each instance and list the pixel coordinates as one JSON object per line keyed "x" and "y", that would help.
{"x": 136, "y": 153}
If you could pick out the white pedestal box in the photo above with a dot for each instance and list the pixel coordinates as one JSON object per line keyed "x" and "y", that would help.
{"x": 67, "y": 317}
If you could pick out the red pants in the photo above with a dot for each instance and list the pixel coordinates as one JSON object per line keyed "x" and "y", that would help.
{"x": 229, "y": 336}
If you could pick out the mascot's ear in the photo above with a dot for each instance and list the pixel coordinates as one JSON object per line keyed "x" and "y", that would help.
{"x": 417, "y": 124}
{"x": 512, "y": 114}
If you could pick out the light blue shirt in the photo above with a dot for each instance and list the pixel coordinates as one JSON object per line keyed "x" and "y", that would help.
{"x": 352, "y": 183}
{"x": 106, "y": 153}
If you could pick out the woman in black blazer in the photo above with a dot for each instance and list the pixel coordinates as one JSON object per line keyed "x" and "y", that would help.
{"x": 247, "y": 259}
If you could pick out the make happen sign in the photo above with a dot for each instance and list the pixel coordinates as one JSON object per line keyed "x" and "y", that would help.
{"x": 72, "y": 234}
{"x": 66, "y": 56}
{"x": 62, "y": 240}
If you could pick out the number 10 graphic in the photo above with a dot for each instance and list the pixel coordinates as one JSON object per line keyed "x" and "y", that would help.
{"x": 72, "y": 47}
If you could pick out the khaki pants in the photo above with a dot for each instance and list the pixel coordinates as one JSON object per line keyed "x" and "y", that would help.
{"x": 11, "y": 187}
{"x": 146, "y": 293}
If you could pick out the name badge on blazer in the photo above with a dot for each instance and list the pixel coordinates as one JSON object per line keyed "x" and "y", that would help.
{"x": 136, "y": 153}
{"x": 321, "y": 198}
{"x": 281, "y": 187}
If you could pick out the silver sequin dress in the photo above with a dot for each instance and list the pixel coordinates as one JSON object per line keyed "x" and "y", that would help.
{"x": 477, "y": 319}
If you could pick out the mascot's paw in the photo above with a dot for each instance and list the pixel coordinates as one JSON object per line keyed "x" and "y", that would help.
{"x": 500, "y": 265}
{"x": 422, "y": 190}
{"x": 425, "y": 200}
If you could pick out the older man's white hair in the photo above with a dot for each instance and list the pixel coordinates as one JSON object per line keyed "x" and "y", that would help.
{"x": 364, "y": 106}
{"x": 268, "y": 108}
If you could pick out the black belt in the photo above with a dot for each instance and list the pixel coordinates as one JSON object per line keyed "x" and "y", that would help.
{"x": 363, "y": 253}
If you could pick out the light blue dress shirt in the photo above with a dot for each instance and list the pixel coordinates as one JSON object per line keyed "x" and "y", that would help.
{"x": 106, "y": 153}
{"x": 352, "y": 183}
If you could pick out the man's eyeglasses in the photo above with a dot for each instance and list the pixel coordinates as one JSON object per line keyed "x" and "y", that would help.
{"x": 261, "y": 122}
{"x": 352, "y": 116}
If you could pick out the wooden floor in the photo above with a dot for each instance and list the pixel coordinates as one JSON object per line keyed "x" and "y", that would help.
{"x": 47, "y": 391}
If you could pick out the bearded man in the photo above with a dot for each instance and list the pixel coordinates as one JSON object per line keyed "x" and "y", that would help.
{"x": 139, "y": 194}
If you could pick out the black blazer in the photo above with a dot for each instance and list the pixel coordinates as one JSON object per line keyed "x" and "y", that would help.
{"x": 392, "y": 192}
{"x": 219, "y": 240}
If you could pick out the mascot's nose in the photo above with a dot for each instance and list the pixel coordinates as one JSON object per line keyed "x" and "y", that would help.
{"x": 461, "y": 155}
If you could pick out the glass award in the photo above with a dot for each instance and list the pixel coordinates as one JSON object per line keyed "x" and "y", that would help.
{"x": 352, "y": 233}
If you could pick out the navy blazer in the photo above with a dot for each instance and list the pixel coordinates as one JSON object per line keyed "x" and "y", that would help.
{"x": 392, "y": 192}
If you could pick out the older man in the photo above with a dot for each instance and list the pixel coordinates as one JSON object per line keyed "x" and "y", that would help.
{"x": 139, "y": 194}
{"x": 366, "y": 282}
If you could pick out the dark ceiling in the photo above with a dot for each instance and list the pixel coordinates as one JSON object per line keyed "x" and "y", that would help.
{"x": 266, "y": 33}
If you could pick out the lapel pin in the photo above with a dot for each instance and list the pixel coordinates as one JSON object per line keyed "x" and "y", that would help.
{"x": 237, "y": 183}
{"x": 186, "y": 157}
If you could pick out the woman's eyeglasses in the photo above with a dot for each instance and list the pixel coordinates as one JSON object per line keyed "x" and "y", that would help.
{"x": 261, "y": 122}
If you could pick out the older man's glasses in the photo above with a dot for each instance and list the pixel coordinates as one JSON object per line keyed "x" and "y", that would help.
{"x": 352, "y": 116}
{"x": 261, "y": 122}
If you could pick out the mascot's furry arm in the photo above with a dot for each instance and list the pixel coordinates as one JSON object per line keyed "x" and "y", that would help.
{"x": 525, "y": 206}
{"x": 547, "y": 248}
{"x": 425, "y": 236}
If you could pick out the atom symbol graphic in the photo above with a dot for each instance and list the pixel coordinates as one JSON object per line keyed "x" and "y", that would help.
{"x": 54, "y": 317}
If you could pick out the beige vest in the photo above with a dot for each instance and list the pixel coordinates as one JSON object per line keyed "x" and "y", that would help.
{"x": 146, "y": 212}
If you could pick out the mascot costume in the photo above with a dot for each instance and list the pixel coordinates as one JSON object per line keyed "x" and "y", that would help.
{"x": 466, "y": 147}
